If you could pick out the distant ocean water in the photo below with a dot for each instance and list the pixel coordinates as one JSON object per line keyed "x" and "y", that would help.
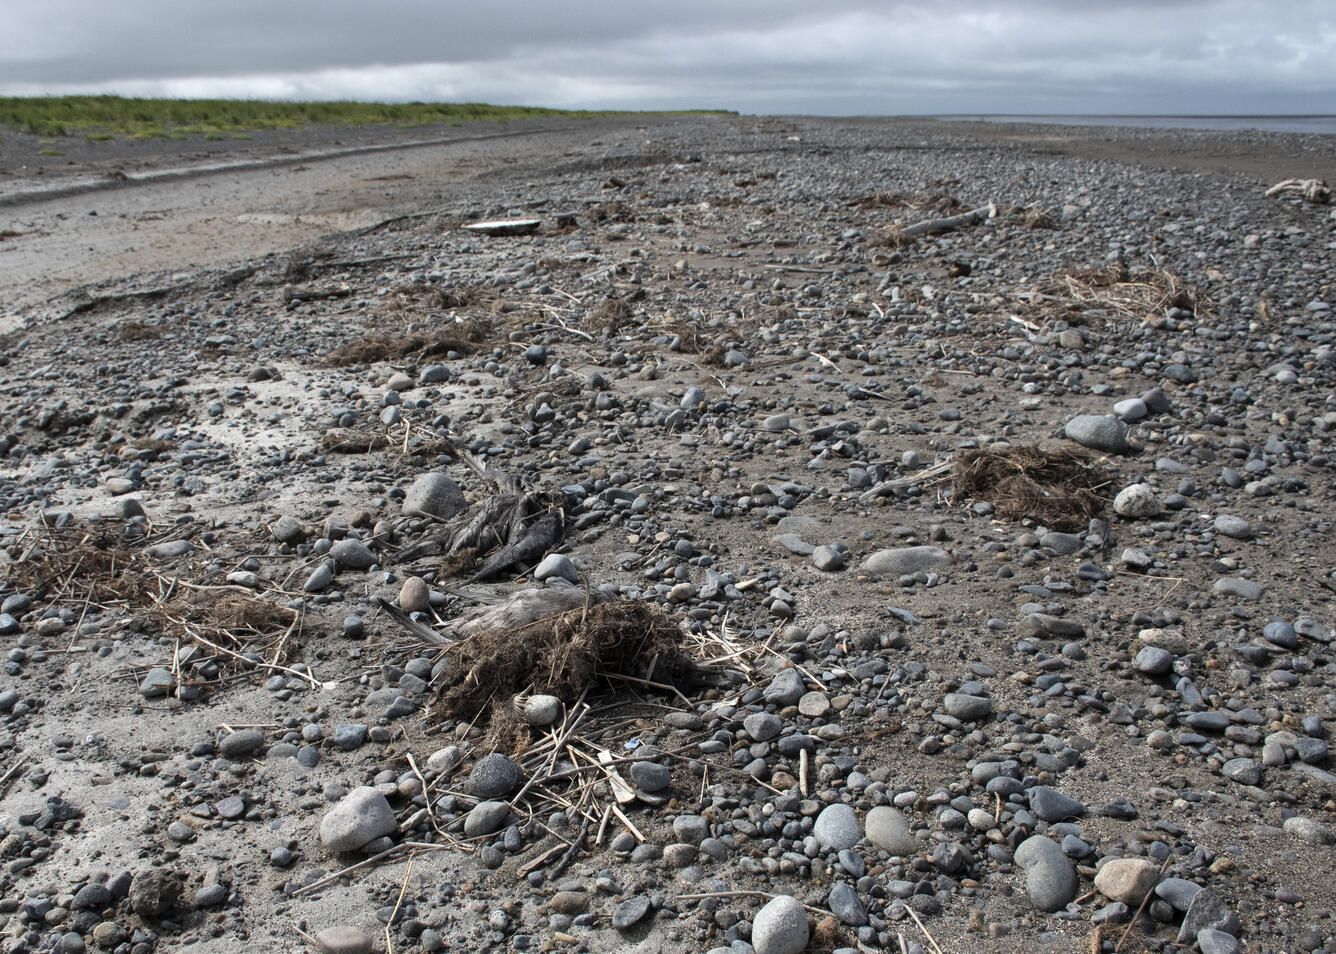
{"x": 1321, "y": 124}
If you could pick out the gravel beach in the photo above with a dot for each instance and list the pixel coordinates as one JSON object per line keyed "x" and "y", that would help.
{"x": 793, "y": 534}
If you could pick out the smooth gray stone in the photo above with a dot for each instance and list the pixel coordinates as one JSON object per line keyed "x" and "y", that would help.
{"x": 1210, "y": 721}
{"x": 1050, "y": 876}
{"x": 1153, "y": 661}
{"x": 320, "y": 578}
{"x": 1311, "y": 751}
{"x": 286, "y": 530}
{"x": 1053, "y": 806}
{"x": 845, "y": 904}
{"x": 1232, "y": 586}
{"x": 650, "y": 776}
{"x": 1130, "y": 409}
{"x": 1043, "y": 625}
{"x": 967, "y": 708}
{"x": 630, "y": 912}
{"x": 1243, "y": 771}
{"x": 1280, "y": 633}
{"x": 1306, "y": 829}
{"x": 1063, "y": 544}
{"x": 888, "y": 829}
{"x": 795, "y": 544}
{"x": 434, "y": 495}
{"x": 556, "y": 566}
{"x": 692, "y": 399}
{"x": 361, "y": 816}
{"x": 898, "y": 562}
{"x": 240, "y": 743}
{"x": 1207, "y": 910}
{"x": 763, "y": 726}
{"x": 1211, "y": 941}
{"x": 780, "y": 927}
{"x": 1231, "y": 526}
{"x": 1101, "y": 432}
{"x": 837, "y": 828}
{"x": 785, "y": 689}
{"x": 827, "y": 559}
{"x": 353, "y": 554}
{"x": 485, "y": 818}
{"x": 1179, "y": 892}
{"x": 157, "y": 682}
{"x": 169, "y": 550}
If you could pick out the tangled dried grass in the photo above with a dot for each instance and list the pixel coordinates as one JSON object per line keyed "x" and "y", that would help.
{"x": 1031, "y": 217}
{"x": 1059, "y": 488}
{"x": 564, "y": 655}
{"x": 87, "y": 563}
{"x": 380, "y": 346}
{"x": 136, "y": 330}
{"x": 611, "y": 314}
{"x": 352, "y": 440}
{"x": 421, "y": 297}
{"x": 219, "y": 630}
{"x": 1118, "y": 292}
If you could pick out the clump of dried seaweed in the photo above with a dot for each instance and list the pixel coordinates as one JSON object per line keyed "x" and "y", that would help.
{"x": 611, "y": 314}
{"x": 1115, "y": 292}
{"x": 1031, "y": 217}
{"x": 94, "y": 563}
{"x": 566, "y": 654}
{"x": 1059, "y": 488}
{"x": 219, "y": 629}
{"x": 380, "y": 346}
{"x": 136, "y": 330}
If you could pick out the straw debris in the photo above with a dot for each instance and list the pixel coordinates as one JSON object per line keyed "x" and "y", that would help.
{"x": 1116, "y": 292}
{"x": 1059, "y": 488}
{"x": 413, "y": 347}
{"x": 565, "y": 655}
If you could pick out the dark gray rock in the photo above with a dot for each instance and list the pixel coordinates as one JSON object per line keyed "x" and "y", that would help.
{"x": 845, "y": 904}
{"x": 1053, "y": 806}
{"x": 1207, "y": 910}
{"x": 494, "y": 776}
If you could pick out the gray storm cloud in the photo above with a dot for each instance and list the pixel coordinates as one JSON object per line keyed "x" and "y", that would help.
{"x": 1217, "y": 56}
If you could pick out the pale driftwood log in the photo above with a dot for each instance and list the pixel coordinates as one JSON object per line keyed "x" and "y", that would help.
{"x": 951, "y": 223}
{"x": 1314, "y": 190}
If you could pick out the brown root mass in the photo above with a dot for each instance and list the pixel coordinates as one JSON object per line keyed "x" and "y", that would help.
{"x": 1058, "y": 488}
{"x": 611, "y": 314}
{"x": 136, "y": 330}
{"x": 562, "y": 655}
{"x": 383, "y": 347}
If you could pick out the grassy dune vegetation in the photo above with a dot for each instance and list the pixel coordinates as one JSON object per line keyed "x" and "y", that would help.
{"x": 106, "y": 117}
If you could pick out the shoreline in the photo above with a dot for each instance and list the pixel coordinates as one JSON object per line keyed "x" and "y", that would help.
{"x": 25, "y": 176}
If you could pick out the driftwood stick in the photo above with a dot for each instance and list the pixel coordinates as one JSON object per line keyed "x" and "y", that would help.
{"x": 924, "y": 929}
{"x": 888, "y": 487}
{"x": 1314, "y": 190}
{"x": 420, "y": 630}
{"x": 951, "y": 223}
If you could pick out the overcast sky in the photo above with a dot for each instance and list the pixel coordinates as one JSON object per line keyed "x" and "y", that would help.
{"x": 757, "y": 56}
